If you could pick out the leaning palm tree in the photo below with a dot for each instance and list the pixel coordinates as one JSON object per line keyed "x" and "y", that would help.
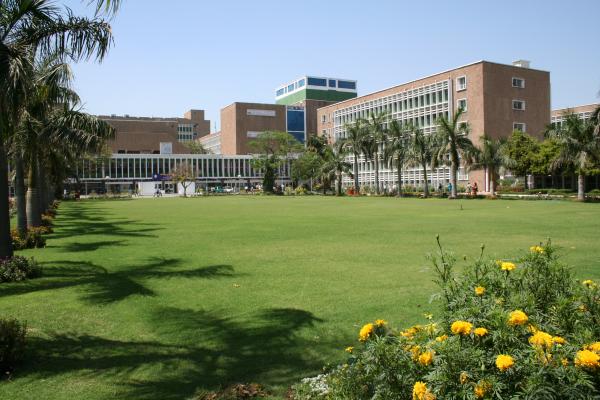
{"x": 490, "y": 157}
{"x": 30, "y": 28}
{"x": 336, "y": 165}
{"x": 397, "y": 150}
{"x": 353, "y": 143}
{"x": 375, "y": 125}
{"x": 452, "y": 144}
{"x": 421, "y": 153}
{"x": 579, "y": 142}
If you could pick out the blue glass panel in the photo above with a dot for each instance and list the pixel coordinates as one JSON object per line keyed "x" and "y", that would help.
{"x": 317, "y": 82}
{"x": 290, "y": 87}
{"x": 332, "y": 83}
{"x": 295, "y": 120}
{"x": 301, "y": 82}
{"x": 347, "y": 85}
{"x": 298, "y": 135}
{"x": 280, "y": 92}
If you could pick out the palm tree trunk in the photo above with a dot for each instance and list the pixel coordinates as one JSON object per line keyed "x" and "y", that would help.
{"x": 493, "y": 184}
{"x": 42, "y": 189}
{"x": 581, "y": 187}
{"x": 20, "y": 195}
{"x": 356, "y": 187}
{"x": 426, "y": 188}
{"x": 5, "y": 239}
{"x": 33, "y": 196}
{"x": 377, "y": 189}
{"x": 453, "y": 179}
{"x": 399, "y": 168}
{"x": 339, "y": 183}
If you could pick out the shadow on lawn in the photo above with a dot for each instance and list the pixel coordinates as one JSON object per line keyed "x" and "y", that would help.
{"x": 103, "y": 287}
{"x": 210, "y": 351}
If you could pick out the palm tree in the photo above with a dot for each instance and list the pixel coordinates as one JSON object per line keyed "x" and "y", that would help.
{"x": 452, "y": 144}
{"x": 353, "y": 143}
{"x": 336, "y": 165}
{"x": 397, "y": 149}
{"x": 421, "y": 153}
{"x": 375, "y": 125}
{"x": 30, "y": 28}
{"x": 490, "y": 157}
{"x": 579, "y": 142}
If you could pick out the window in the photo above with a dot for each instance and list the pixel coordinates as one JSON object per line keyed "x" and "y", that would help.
{"x": 317, "y": 82}
{"x": 461, "y": 83}
{"x": 290, "y": 88}
{"x": 301, "y": 83}
{"x": 280, "y": 92}
{"x": 463, "y": 125}
{"x": 332, "y": 83}
{"x": 518, "y": 126}
{"x": 518, "y": 105}
{"x": 323, "y": 118}
{"x": 518, "y": 82}
{"x": 347, "y": 85}
{"x": 462, "y": 103}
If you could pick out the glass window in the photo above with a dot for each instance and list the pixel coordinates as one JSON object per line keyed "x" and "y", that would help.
{"x": 290, "y": 87}
{"x": 518, "y": 82}
{"x": 317, "y": 82}
{"x": 332, "y": 83}
{"x": 461, "y": 83}
{"x": 518, "y": 105}
{"x": 347, "y": 85}
{"x": 462, "y": 103}
{"x": 301, "y": 83}
{"x": 518, "y": 126}
{"x": 295, "y": 120}
{"x": 280, "y": 92}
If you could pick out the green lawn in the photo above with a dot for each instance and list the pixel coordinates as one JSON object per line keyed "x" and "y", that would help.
{"x": 154, "y": 298}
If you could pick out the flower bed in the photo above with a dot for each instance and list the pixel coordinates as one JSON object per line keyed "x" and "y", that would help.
{"x": 508, "y": 329}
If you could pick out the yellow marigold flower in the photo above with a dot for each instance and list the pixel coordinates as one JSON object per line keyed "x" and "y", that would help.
{"x": 415, "y": 351}
{"x": 507, "y": 266}
{"x": 421, "y": 392}
{"x": 464, "y": 378}
{"x": 564, "y": 362}
{"x": 559, "y": 340}
{"x": 461, "y": 327}
{"x": 349, "y": 349}
{"x": 517, "y": 317}
{"x": 587, "y": 359}
{"x": 594, "y": 347}
{"x": 532, "y": 329}
{"x": 541, "y": 339}
{"x": 441, "y": 338}
{"x": 480, "y": 390}
{"x": 504, "y": 362}
{"x": 479, "y": 290}
{"x": 537, "y": 249}
{"x": 426, "y": 358}
{"x": 365, "y": 332}
{"x": 589, "y": 283}
{"x": 380, "y": 322}
{"x": 480, "y": 332}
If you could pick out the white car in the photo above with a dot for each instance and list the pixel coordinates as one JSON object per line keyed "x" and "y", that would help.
{"x": 228, "y": 190}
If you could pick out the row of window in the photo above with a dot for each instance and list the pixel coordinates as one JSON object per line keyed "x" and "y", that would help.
{"x": 518, "y": 105}
{"x": 461, "y": 83}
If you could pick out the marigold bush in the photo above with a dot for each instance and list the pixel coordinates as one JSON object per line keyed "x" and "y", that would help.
{"x": 533, "y": 332}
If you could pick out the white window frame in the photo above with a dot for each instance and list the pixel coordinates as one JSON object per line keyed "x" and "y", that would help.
{"x": 323, "y": 118}
{"x": 466, "y": 104}
{"x": 518, "y": 109}
{"x": 458, "y": 88}
{"x": 520, "y": 123}
{"x": 513, "y": 82}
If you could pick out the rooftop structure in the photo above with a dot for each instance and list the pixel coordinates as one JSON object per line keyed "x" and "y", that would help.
{"x": 316, "y": 88}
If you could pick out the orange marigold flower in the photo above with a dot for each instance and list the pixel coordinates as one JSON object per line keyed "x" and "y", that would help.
{"x": 517, "y": 317}
{"x": 426, "y": 358}
{"x": 587, "y": 359}
{"x": 541, "y": 339}
{"x": 507, "y": 266}
{"x": 504, "y": 362}
{"x": 365, "y": 332}
{"x": 479, "y": 290}
{"x": 461, "y": 327}
{"x": 594, "y": 347}
{"x": 480, "y": 332}
{"x": 380, "y": 322}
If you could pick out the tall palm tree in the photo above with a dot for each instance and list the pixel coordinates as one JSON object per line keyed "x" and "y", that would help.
{"x": 30, "y": 28}
{"x": 353, "y": 143}
{"x": 452, "y": 144}
{"x": 336, "y": 165}
{"x": 421, "y": 153}
{"x": 375, "y": 124}
{"x": 579, "y": 142}
{"x": 490, "y": 157}
{"x": 397, "y": 150}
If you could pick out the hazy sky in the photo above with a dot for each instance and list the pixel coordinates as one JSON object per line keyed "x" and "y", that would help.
{"x": 170, "y": 56}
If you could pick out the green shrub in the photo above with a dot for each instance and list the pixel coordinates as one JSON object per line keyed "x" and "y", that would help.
{"x": 12, "y": 344}
{"x": 300, "y": 191}
{"x": 17, "y": 268}
{"x": 32, "y": 239}
{"x": 519, "y": 329}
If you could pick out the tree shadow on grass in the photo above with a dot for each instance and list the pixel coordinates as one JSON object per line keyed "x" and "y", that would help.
{"x": 104, "y": 287}
{"x": 197, "y": 349}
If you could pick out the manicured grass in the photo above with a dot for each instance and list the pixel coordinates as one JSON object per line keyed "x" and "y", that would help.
{"x": 154, "y": 298}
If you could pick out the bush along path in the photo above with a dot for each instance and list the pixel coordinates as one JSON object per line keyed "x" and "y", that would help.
{"x": 508, "y": 329}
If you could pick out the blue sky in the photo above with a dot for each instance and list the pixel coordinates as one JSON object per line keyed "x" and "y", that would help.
{"x": 170, "y": 56}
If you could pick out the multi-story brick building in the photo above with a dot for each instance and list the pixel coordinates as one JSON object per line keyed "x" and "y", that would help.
{"x": 153, "y": 135}
{"x": 497, "y": 99}
{"x": 584, "y": 112}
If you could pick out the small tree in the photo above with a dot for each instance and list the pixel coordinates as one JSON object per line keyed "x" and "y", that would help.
{"x": 306, "y": 167}
{"x": 336, "y": 165}
{"x": 579, "y": 143}
{"x": 183, "y": 174}
{"x": 196, "y": 147}
{"x": 520, "y": 150}
{"x": 490, "y": 156}
{"x": 272, "y": 149}
{"x": 377, "y": 135}
{"x": 354, "y": 141}
{"x": 421, "y": 153}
